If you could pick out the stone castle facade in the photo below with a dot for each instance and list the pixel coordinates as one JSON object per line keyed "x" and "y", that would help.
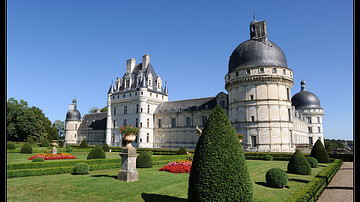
{"x": 258, "y": 104}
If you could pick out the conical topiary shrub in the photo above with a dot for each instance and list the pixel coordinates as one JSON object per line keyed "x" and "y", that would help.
{"x": 26, "y": 148}
{"x": 219, "y": 171}
{"x": 319, "y": 152}
{"x": 96, "y": 153}
{"x": 298, "y": 164}
{"x": 83, "y": 144}
{"x": 105, "y": 147}
{"x": 181, "y": 151}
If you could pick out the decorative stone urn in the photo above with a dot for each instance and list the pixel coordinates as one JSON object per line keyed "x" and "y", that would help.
{"x": 128, "y": 170}
{"x": 129, "y": 139}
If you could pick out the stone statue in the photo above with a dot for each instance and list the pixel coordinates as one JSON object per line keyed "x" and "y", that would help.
{"x": 198, "y": 130}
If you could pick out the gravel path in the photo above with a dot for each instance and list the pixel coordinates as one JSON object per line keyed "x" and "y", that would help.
{"x": 341, "y": 187}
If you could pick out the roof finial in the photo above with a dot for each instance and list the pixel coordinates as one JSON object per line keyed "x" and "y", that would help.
{"x": 254, "y": 17}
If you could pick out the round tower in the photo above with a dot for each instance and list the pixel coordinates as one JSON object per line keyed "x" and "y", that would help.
{"x": 308, "y": 104}
{"x": 259, "y": 83}
{"x": 72, "y": 123}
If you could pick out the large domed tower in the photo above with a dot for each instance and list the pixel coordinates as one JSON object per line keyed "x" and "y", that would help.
{"x": 72, "y": 123}
{"x": 308, "y": 104}
{"x": 259, "y": 83}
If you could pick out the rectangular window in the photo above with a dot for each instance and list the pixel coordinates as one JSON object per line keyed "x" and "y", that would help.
{"x": 318, "y": 119}
{"x": 311, "y": 140}
{"x": 113, "y": 137}
{"x": 289, "y": 113}
{"x": 274, "y": 70}
{"x": 319, "y": 129}
{"x": 252, "y": 118}
{"x": 309, "y": 120}
{"x": 253, "y": 141}
{"x": 114, "y": 123}
{"x": 114, "y": 111}
{"x": 137, "y": 108}
{"x": 125, "y": 122}
{"x": 160, "y": 123}
{"x": 262, "y": 70}
{"x": 188, "y": 121}
{"x": 247, "y": 71}
{"x": 147, "y": 137}
{"x": 173, "y": 122}
{"x": 148, "y": 123}
{"x": 310, "y": 129}
{"x": 125, "y": 109}
{"x": 288, "y": 94}
{"x": 204, "y": 120}
{"x": 148, "y": 109}
{"x": 251, "y": 97}
{"x": 136, "y": 122}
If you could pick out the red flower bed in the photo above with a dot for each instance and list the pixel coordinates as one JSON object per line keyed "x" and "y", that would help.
{"x": 177, "y": 167}
{"x": 46, "y": 156}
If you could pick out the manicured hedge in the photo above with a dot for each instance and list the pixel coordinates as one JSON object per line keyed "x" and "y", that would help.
{"x": 313, "y": 189}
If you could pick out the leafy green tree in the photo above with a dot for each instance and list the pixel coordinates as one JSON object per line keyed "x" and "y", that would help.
{"x": 219, "y": 171}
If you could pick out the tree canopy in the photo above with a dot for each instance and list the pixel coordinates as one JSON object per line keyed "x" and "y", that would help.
{"x": 23, "y": 121}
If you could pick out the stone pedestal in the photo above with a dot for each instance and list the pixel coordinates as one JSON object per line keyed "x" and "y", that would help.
{"x": 128, "y": 170}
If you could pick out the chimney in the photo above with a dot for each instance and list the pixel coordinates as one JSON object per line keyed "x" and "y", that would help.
{"x": 130, "y": 65}
{"x": 146, "y": 61}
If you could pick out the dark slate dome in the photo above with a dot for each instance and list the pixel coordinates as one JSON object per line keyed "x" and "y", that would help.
{"x": 305, "y": 99}
{"x": 257, "y": 53}
{"x": 73, "y": 115}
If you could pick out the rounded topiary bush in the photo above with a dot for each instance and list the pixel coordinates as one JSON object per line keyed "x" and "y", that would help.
{"x": 181, "y": 151}
{"x": 276, "y": 177}
{"x": 38, "y": 159}
{"x": 144, "y": 160}
{"x": 312, "y": 161}
{"x": 30, "y": 140}
{"x": 219, "y": 171}
{"x": 45, "y": 143}
{"x": 26, "y": 148}
{"x": 83, "y": 144}
{"x": 81, "y": 169}
{"x": 96, "y": 153}
{"x": 268, "y": 157}
{"x": 105, "y": 147}
{"x": 298, "y": 164}
{"x": 319, "y": 152}
{"x": 10, "y": 145}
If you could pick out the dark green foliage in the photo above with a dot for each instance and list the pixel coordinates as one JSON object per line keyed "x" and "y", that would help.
{"x": 26, "y": 148}
{"x": 30, "y": 140}
{"x": 276, "y": 177}
{"x": 83, "y": 144}
{"x": 96, "y": 153}
{"x": 105, "y": 147}
{"x": 268, "y": 157}
{"x": 45, "y": 143}
{"x": 81, "y": 169}
{"x": 219, "y": 171}
{"x": 144, "y": 160}
{"x": 319, "y": 152}
{"x": 69, "y": 150}
{"x": 10, "y": 145}
{"x": 312, "y": 161}
{"x": 38, "y": 159}
{"x": 181, "y": 151}
{"x": 298, "y": 164}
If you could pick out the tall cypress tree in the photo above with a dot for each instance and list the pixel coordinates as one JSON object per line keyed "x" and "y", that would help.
{"x": 219, "y": 171}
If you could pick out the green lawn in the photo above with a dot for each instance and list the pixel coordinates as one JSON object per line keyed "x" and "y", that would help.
{"x": 153, "y": 185}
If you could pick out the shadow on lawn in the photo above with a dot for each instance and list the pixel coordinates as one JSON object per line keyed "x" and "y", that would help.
{"x": 159, "y": 198}
{"x": 111, "y": 176}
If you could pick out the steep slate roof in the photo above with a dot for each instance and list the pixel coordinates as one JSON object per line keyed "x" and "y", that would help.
{"x": 95, "y": 121}
{"x": 187, "y": 105}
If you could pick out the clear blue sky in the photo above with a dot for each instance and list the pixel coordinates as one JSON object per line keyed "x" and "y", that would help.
{"x": 57, "y": 50}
